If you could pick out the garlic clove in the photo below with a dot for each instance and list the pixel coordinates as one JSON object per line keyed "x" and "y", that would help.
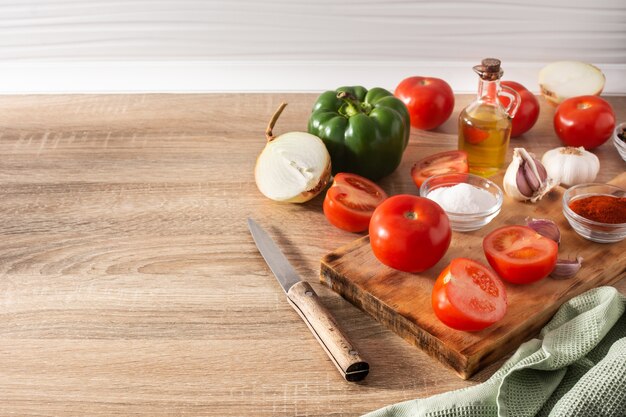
{"x": 522, "y": 182}
{"x": 545, "y": 227}
{"x": 543, "y": 174}
{"x": 531, "y": 175}
{"x": 565, "y": 268}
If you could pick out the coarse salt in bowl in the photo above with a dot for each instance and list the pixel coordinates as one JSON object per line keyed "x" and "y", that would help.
{"x": 470, "y": 201}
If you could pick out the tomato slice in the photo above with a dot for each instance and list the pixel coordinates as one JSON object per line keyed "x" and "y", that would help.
{"x": 351, "y": 200}
{"x": 468, "y": 296}
{"x": 450, "y": 162}
{"x": 519, "y": 254}
{"x": 474, "y": 135}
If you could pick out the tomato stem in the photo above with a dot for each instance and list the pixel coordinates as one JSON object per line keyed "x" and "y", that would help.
{"x": 411, "y": 215}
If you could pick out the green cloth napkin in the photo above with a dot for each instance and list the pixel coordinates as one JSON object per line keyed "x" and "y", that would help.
{"x": 577, "y": 367}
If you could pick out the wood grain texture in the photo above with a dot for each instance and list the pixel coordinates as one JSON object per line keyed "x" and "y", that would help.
{"x": 129, "y": 282}
{"x": 402, "y": 301}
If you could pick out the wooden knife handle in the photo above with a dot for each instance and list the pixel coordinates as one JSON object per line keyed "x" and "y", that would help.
{"x": 325, "y": 329}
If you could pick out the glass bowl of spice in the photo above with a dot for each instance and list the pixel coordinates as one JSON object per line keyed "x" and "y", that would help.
{"x": 619, "y": 139}
{"x": 469, "y": 201}
{"x": 596, "y": 211}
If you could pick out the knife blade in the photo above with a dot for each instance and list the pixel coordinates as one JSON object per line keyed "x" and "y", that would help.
{"x": 307, "y": 304}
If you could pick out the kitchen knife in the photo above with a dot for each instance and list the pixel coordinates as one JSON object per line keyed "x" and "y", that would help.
{"x": 307, "y": 304}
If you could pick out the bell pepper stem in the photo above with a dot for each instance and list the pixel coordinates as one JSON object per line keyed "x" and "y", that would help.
{"x": 268, "y": 132}
{"x": 350, "y": 105}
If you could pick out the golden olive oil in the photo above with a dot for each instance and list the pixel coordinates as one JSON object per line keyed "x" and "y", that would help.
{"x": 484, "y": 133}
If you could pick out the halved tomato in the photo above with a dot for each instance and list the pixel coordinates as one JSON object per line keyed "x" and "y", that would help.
{"x": 350, "y": 202}
{"x": 450, "y": 162}
{"x": 468, "y": 296}
{"x": 474, "y": 135}
{"x": 519, "y": 254}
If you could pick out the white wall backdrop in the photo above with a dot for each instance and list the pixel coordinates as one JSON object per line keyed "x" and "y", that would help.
{"x": 297, "y": 45}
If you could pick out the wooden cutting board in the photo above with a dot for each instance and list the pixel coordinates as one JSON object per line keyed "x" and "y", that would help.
{"x": 402, "y": 301}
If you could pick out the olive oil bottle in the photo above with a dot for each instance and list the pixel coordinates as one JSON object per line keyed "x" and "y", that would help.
{"x": 485, "y": 125}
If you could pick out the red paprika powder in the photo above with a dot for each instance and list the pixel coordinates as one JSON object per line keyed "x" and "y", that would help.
{"x": 601, "y": 208}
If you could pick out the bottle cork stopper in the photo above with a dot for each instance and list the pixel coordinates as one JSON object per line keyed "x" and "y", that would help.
{"x": 489, "y": 69}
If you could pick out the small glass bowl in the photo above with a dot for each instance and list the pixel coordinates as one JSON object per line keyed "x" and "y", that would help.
{"x": 589, "y": 229}
{"x": 466, "y": 222}
{"x": 620, "y": 144}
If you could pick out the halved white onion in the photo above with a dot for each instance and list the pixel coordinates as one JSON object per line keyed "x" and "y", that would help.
{"x": 293, "y": 167}
{"x": 564, "y": 79}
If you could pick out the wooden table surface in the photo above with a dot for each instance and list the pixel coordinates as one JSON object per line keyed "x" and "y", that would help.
{"x": 130, "y": 284}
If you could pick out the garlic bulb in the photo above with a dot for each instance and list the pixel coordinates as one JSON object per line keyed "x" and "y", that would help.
{"x": 571, "y": 166}
{"x": 526, "y": 178}
{"x": 293, "y": 167}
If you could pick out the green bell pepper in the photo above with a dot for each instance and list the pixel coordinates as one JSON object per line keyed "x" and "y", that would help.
{"x": 365, "y": 132}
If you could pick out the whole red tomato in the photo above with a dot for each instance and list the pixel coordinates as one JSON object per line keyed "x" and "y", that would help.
{"x": 528, "y": 111}
{"x": 584, "y": 121}
{"x": 430, "y": 100}
{"x": 409, "y": 233}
